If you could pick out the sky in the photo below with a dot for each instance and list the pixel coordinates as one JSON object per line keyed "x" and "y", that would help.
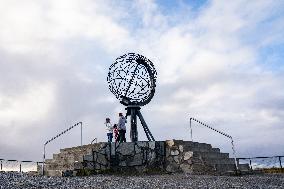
{"x": 220, "y": 62}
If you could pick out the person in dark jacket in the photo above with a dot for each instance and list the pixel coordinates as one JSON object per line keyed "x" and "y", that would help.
{"x": 122, "y": 127}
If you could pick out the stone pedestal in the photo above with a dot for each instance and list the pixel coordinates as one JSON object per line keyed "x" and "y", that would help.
{"x": 142, "y": 157}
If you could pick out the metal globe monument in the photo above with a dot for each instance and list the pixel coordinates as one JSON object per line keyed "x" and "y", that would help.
{"x": 132, "y": 79}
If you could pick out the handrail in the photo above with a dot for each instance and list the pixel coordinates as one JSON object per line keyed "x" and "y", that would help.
{"x": 19, "y": 161}
{"x": 220, "y": 132}
{"x": 250, "y": 158}
{"x": 95, "y": 139}
{"x": 53, "y": 138}
{"x": 260, "y": 157}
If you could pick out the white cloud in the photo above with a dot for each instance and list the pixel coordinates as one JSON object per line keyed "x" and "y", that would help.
{"x": 30, "y": 106}
{"x": 32, "y": 26}
{"x": 56, "y": 55}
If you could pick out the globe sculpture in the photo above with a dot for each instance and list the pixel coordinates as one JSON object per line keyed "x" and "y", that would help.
{"x": 132, "y": 79}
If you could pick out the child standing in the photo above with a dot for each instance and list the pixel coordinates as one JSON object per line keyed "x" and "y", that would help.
{"x": 115, "y": 131}
{"x": 109, "y": 129}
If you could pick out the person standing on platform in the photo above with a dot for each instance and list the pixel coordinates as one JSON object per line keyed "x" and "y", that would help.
{"x": 109, "y": 129}
{"x": 122, "y": 127}
{"x": 115, "y": 131}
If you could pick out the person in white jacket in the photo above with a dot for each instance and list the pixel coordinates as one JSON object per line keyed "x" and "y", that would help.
{"x": 109, "y": 129}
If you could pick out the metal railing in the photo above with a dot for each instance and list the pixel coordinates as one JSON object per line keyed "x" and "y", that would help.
{"x": 53, "y": 138}
{"x": 18, "y": 165}
{"x": 95, "y": 139}
{"x": 263, "y": 163}
{"x": 220, "y": 132}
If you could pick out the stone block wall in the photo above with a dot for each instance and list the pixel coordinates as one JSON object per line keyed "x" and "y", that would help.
{"x": 197, "y": 158}
{"x": 68, "y": 159}
{"x": 132, "y": 157}
{"x": 143, "y": 156}
{"x": 184, "y": 156}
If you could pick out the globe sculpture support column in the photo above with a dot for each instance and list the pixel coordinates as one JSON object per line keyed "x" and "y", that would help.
{"x": 132, "y": 79}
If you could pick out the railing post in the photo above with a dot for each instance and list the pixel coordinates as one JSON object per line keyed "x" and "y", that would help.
{"x": 250, "y": 164}
{"x": 190, "y": 129}
{"x": 234, "y": 153}
{"x": 43, "y": 162}
{"x": 1, "y": 165}
{"x": 81, "y": 134}
{"x": 20, "y": 167}
{"x": 93, "y": 154}
{"x": 280, "y": 162}
{"x": 238, "y": 161}
{"x": 95, "y": 139}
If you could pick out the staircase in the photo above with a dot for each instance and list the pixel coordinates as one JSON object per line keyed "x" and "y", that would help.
{"x": 143, "y": 156}
{"x": 69, "y": 159}
{"x": 199, "y": 158}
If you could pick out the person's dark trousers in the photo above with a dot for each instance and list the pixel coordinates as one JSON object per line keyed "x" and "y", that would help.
{"x": 122, "y": 135}
{"x": 118, "y": 138}
{"x": 109, "y": 137}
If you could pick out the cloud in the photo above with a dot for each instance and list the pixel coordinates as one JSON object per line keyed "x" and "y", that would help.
{"x": 54, "y": 58}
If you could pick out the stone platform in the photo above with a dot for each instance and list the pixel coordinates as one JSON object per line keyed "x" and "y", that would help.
{"x": 142, "y": 157}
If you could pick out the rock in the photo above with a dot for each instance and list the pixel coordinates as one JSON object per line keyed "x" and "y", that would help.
{"x": 126, "y": 148}
{"x": 67, "y": 173}
{"x": 189, "y": 161}
{"x": 152, "y": 145}
{"x": 187, "y": 155}
{"x": 174, "y": 152}
{"x": 174, "y": 148}
{"x": 78, "y": 165}
{"x": 170, "y": 143}
{"x": 176, "y": 159}
{"x": 170, "y": 159}
{"x": 136, "y": 160}
{"x": 180, "y": 147}
{"x": 172, "y": 168}
{"x": 101, "y": 159}
{"x": 122, "y": 163}
{"x": 168, "y": 152}
{"x": 186, "y": 168}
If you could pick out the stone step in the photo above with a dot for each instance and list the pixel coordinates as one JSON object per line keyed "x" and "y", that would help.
{"x": 53, "y": 173}
{"x": 217, "y": 168}
{"x": 47, "y": 161}
{"x": 223, "y": 168}
{"x": 226, "y": 168}
{"x": 215, "y": 150}
{"x": 77, "y": 148}
{"x": 55, "y": 166}
{"x": 76, "y": 156}
{"x": 61, "y": 162}
{"x": 219, "y": 160}
{"x": 201, "y": 149}
{"x": 192, "y": 144}
{"x": 213, "y": 161}
{"x": 244, "y": 167}
{"x": 87, "y": 148}
{"x": 202, "y": 169}
{"x": 211, "y": 154}
{"x": 62, "y": 155}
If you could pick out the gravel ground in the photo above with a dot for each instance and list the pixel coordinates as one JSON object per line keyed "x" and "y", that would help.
{"x": 18, "y": 180}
